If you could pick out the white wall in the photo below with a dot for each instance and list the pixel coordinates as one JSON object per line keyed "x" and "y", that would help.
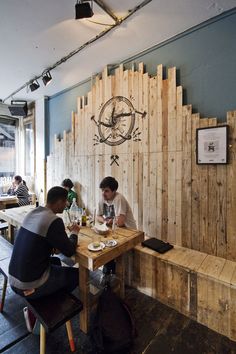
{"x": 40, "y": 149}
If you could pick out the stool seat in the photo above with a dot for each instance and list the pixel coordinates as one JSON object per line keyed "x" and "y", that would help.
{"x": 54, "y": 310}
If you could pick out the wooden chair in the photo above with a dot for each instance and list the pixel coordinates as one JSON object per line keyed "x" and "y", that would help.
{"x": 53, "y": 311}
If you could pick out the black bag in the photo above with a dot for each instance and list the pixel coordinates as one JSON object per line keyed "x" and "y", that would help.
{"x": 112, "y": 328}
{"x": 157, "y": 245}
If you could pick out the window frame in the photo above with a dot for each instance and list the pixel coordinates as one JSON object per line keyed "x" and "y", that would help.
{"x": 16, "y": 121}
{"x": 29, "y": 120}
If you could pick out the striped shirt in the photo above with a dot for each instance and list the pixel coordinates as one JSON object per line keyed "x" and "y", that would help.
{"x": 22, "y": 194}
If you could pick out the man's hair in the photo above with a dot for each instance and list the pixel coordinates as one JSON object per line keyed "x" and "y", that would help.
{"x": 67, "y": 183}
{"x": 18, "y": 178}
{"x": 55, "y": 194}
{"x": 109, "y": 182}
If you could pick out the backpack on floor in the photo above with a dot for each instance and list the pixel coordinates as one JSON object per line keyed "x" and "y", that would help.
{"x": 113, "y": 326}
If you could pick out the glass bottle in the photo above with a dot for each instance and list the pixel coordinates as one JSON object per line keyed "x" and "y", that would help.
{"x": 73, "y": 211}
{"x": 84, "y": 218}
{"x": 65, "y": 217}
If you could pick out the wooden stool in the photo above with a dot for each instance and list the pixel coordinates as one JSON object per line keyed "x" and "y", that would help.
{"x": 6, "y": 248}
{"x": 52, "y": 311}
{"x": 4, "y": 289}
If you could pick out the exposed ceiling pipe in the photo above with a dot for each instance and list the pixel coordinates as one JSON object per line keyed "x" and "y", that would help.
{"x": 71, "y": 54}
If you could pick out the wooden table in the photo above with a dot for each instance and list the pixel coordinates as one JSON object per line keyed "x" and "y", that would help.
{"x": 88, "y": 260}
{"x": 14, "y": 217}
{"x": 6, "y": 200}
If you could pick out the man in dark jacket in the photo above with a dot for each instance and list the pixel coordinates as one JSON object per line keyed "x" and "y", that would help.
{"x": 33, "y": 273}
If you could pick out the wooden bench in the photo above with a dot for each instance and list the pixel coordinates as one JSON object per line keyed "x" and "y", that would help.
{"x": 201, "y": 286}
{"x": 53, "y": 311}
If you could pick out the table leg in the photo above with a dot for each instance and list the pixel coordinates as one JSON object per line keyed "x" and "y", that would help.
{"x": 120, "y": 272}
{"x": 11, "y": 230}
{"x": 84, "y": 297}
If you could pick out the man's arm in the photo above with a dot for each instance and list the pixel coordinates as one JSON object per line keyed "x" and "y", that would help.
{"x": 121, "y": 210}
{"x": 58, "y": 238}
{"x": 100, "y": 218}
{"x": 120, "y": 220}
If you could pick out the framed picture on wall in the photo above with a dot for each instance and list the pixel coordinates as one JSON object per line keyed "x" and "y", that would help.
{"x": 212, "y": 145}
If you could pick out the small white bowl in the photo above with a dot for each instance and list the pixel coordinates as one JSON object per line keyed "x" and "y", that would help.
{"x": 101, "y": 229}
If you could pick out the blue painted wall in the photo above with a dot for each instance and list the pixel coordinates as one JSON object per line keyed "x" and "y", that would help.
{"x": 59, "y": 108}
{"x": 205, "y": 58}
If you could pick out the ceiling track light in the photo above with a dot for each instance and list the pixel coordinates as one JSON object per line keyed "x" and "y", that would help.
{"x": 34, "y": 85}
{"x": 83, "y": 46}
{"x": 46, "y": 78}
{"x": 83, "y": 10}
{"x": 18, "y": 108}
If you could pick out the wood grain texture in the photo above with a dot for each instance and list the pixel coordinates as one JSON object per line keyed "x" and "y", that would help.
{"x": 198, "y": 285}
{"x": 171, "y": 196}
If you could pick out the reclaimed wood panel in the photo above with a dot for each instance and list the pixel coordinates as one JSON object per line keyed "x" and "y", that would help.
{"x": 196, "y": 187}
{"x": 187, "y": 178}
{"x": 172, "y": 197}
{"x": 231, "y": 189}
{"x": 201, "y": 286}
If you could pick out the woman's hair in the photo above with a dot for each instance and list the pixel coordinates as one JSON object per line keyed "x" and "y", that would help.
{"x": 67, "y": 183}
{"x": 109, "y": 182}
{"x": 24, "y": 183}
{"x": 18, "y": 178}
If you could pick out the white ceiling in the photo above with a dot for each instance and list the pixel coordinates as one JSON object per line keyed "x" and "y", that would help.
{"x": 35, "y": 34}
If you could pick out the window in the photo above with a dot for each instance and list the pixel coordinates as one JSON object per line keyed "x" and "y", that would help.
{"x": 7, "y": 147}
{"x": 29, "y": 148}
{"x": 17, "y": 147}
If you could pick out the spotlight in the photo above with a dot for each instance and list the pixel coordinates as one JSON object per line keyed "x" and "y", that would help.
{"x": 18, "y": 108}
{"x": 47, "y": 78}
{"x": 83, "y": 10}
{"x": 34, "y": 85}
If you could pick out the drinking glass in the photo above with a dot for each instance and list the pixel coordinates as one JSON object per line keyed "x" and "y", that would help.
{"x": 114, "y": 227}
{"x": 79, "y": 215}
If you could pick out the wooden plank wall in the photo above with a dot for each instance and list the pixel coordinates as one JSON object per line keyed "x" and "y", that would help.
{"x": 201, "y": 286}
{"x": 172, "y": 197}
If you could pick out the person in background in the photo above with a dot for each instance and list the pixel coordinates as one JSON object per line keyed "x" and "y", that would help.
{"x": 113, "y": 205}
{"x": 20, "y": 190}
{"x": 33, "y": 273}
{"x": 68, "y": 185}
{"x": 24, "y": 183}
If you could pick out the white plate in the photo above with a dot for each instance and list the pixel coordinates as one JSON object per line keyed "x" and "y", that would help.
{"x": 111, "y": 243}
{"x": 92, "y": 248}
